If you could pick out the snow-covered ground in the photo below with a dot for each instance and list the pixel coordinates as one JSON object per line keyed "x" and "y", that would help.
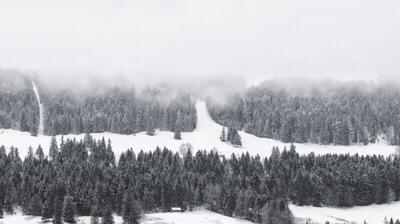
{"x": 206, "y": 136}
{"x": 200, "y": 216}
{"x": 41, "y": 117}
{"x": 372, "y": 214}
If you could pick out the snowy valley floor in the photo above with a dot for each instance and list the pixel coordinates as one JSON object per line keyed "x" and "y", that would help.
{"x": 200, "y": 216}
{"x": 374, "y": 214}
{"x": 206, "y": 136}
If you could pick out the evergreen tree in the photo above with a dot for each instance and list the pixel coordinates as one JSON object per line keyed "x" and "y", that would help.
{"x": 35, "y": 206}
{"x": 2, "y": 197}
{"x": 53, "y": 152}
{"x": 178, "y": 126}
{"x": 58, "y": 210}
{"x": 69, "y": 210}
{"x": 107, "y": 217}
{"x": 47, "y": 211}
{"x": 94, "y": 216}
{"x": 132, "y": 211}
{"x": 223, "y": 135}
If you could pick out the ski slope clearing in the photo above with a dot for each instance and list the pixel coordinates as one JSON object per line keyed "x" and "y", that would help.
{"x": 200, "y": 216}
{"x": 373, "y": 214}
{"x": 204, "y": 137}
{"x": 41, "y": 116}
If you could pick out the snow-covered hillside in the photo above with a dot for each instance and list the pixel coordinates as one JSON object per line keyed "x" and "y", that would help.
{"x": 373, "y": 214}
{"x": 205, "y": 136}
{"x": 200, "y": 216}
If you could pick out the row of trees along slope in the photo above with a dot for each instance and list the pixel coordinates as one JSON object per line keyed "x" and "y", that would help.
{"x": 339, "y": 113}
{"x": 98, "y": 108}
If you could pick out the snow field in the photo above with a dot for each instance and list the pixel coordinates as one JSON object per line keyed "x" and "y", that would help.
{"x": 372, "y": 214}
{"x": 200, "y": 216}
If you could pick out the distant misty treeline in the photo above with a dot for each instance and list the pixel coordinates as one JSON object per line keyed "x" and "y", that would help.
{"x": 117, "y": 110}
{"x": 19, "y": 109}
{"x": 342, "y": 115}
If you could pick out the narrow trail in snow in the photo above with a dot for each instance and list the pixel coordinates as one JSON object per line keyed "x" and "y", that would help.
{"x": 41, "y": 126}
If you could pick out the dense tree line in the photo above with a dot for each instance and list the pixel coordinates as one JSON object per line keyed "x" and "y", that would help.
{"x": 116, "y": 110}
{"x": 18, "y": 106}
{"x": 83, "y": 178}
{"x": 119, "y": 111}
{"x": 342, "y": 115}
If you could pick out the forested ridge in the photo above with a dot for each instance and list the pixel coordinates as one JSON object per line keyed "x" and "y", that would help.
{"x": 85, "y": 178}
{"x": 343, "y": 114}
{"x": 116, "y": 110}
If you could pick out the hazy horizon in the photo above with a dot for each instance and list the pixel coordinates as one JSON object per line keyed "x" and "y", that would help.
{"x": 256, "y": 40}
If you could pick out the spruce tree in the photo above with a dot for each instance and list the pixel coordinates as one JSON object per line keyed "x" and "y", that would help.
{"x": 2, "y": 196}
{"x": 53, "y": 152}
{"x": 69, "y": 210}
{"x": 223, "y": 135}
{"x": 47, "y": 211}
{"x": 107, "y": 217}
{"x": 132, "y": 211}
{"x": 94, "y": 216}
{"x": 35, "y": 206}
{"x": 58, "y": 210}
{"x": 178, "y": 126}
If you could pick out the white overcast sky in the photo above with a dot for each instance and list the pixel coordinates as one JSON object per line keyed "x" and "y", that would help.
{"x": 254, "y": 38}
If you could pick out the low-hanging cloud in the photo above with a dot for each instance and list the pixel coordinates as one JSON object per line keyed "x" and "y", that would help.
{"x": 254, "y": 39}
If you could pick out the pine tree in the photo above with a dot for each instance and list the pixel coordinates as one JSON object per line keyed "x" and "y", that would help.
{"x": 2, "y": 196}
{"x": 131, "y": 211}
{"x": 223, "y": 135}
{"x": 69, "y": 210}
{"x": 58, "y": 210}
{"x": 47, "y": 211}
{"x": 53, "y": 152}
{"x": 94, "y": 216}
{"x": 35, "y": 206}
{"x": 178, "y": 126}
{"x": 107, "y": 217}
{"x": 23, "y": 123}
